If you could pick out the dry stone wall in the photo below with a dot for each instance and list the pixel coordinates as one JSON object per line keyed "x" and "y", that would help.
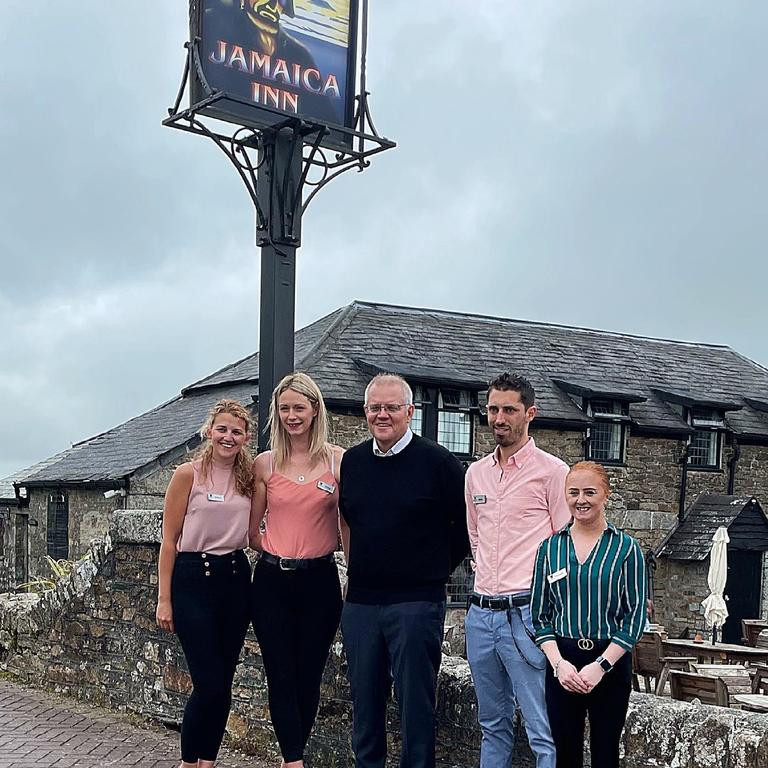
{"x": 95, "y": 638}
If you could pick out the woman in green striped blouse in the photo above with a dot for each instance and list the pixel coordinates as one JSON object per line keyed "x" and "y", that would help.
{"x": 588, "y": 610}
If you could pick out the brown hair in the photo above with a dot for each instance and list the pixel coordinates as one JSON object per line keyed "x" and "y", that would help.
{"x": 513, "y": 382}
{"x": 598, "y": 469}
{"x": 243, "y": 468}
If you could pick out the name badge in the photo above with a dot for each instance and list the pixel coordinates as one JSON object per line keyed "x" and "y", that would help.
{"x": 557, "y": 575}
{"x": 479, "y": 498}
{"x": 327, "y": 487}
{"x": 215, "y": 497}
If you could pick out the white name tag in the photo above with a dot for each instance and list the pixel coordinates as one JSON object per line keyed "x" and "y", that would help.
{"x": 327, "y": 487}
{"x": 479, "y": 498}
{"x": 215, "y": 497}
{"x": 557, "y": 575}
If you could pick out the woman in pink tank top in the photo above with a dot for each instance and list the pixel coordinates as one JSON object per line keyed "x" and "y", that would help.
{"x": 204, "y": 575}
{"x": 295, "y": 595}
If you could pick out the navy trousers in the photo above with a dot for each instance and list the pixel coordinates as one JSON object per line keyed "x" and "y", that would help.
{"x": 398, "y": 643}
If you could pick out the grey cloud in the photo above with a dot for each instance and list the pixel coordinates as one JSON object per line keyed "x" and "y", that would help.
{"x": 582, "y": 162}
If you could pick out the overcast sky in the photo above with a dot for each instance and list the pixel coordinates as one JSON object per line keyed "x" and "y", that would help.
{"x": 584, "y": 162}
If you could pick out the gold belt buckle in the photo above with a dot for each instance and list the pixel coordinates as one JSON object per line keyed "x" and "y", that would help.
{"x": 585, "y": 644}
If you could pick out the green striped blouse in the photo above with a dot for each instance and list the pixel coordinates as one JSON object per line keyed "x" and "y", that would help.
{"x": 603, "y": 599}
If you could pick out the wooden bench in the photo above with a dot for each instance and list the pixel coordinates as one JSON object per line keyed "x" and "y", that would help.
{"x": 751, "y": 629}
{"x": 648, "y": 661}
{"x": 760, "y": 679}
{"x": 709, "y": 687}
{"x": 752, "y": 702}
{"x": 690, "y": 686}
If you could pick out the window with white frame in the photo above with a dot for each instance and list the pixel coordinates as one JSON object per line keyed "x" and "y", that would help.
{"x": 608, "y": 432}
{"x": 417, "y": 422}
{"x": 705, "y": 448}
{"x": 454, "y": 417}
{"x": 454, "y": 420}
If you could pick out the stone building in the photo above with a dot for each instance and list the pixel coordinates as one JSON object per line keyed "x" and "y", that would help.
{"x": 13, "y": 537}
{"x": 669, "y": 419}
{"x": 684, "y": 563}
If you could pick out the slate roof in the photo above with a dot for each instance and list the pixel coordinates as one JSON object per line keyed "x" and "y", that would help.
{"x": 691, "y": 539}
{"x": 341, "y": 349}
{"x": 119, "y": 452}
{"x": 6, "y": 490}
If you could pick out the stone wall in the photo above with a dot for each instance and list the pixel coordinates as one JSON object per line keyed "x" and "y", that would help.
{"x": 148, "y": 492}
{"x": 95, "y": 638}
{"x": 88, "y": 520}
{"x": 679, "y": 588}
{"x": 347, "y": 429}
{"x": 752, "y": 472}
{"x": 7, "y": 551}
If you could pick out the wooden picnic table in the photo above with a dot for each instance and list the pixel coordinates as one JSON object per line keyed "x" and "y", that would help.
{"x": 726, "y": 652}
{"x": 752, "y": 702}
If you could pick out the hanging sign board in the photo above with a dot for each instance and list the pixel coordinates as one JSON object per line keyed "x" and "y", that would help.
{"x": 276, "y": 58}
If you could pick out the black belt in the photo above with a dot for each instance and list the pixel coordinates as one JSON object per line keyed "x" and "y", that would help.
{"x": 582, "y": 644}
{"x": 295, "y": 563}
{"x": 500, "y": 603}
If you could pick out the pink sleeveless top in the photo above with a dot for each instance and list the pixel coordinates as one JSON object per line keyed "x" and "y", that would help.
{"x": 302, "y": 518}
{"x": 212, "y": 525}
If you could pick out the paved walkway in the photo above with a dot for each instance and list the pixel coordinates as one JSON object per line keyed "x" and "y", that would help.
{"x": 42, "y": 730}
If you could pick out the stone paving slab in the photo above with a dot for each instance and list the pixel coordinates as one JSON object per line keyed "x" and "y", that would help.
{"x": 43, "y": 730}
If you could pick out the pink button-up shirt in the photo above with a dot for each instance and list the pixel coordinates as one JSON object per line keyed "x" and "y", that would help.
{"x": 511, "y": 509}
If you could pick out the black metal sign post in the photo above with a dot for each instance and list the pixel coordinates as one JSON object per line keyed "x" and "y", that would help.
{"x": 278, "y": 237}
{"x": 283, "y": 160}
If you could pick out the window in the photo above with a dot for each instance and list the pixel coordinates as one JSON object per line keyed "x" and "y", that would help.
{"x": 704, "y": 449}
{"x": 57, "y": 534}
{"x": 454, "y": 420}
{"x": 417, "y": 422}
{"x": 454, "y": 417}
{"x": 461, "y": 584}
{"x": 608, "y": 432}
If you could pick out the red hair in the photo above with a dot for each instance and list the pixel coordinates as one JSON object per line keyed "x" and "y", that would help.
{"x": 598, "y": 469}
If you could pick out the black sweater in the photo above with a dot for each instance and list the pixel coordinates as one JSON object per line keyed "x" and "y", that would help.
{"x": 407, "y": 521}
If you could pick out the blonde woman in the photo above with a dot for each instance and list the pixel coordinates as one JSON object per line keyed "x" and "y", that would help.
{"x": 204, "y": 575}
{"x": 296, "y": 597}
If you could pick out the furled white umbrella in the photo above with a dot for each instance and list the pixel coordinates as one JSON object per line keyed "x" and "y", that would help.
{"x": 715, "y": 610}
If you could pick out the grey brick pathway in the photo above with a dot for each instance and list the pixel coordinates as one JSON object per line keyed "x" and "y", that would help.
{"x": 42, "y": 730}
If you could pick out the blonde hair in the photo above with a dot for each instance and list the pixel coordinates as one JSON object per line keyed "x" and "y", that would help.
{"x": 243, "y": 467}
{"x": 318, "y": 432}
{"x": 598, "y": 469}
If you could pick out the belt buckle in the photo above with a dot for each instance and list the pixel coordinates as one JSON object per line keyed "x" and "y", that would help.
{"x": 283, "y": 567}
{"x": 586, "y": 644}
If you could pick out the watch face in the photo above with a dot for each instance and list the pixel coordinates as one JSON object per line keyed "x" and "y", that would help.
{"x": 605, "y": 664}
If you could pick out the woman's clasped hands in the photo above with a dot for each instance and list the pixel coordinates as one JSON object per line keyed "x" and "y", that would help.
{"x": 579, "y": 681}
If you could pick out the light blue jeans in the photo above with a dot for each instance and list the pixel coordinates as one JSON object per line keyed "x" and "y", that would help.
{"x": 507, "y": 666}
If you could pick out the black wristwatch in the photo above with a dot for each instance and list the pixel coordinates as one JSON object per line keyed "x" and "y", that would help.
{"x": 605, "y": 665}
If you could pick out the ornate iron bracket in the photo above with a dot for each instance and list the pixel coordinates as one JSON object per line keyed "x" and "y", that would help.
{"x": 251, "y": 149}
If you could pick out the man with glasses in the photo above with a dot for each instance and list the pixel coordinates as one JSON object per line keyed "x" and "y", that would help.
{"x": 404, "y": 531}
{"x": 515, "y": 499}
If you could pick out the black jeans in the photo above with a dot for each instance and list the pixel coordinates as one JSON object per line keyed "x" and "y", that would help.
{"x": 295, "y": 618}
{"x": 606, "y": 705}
{"x": 400, "y": 642}
{"x": 209, "y": 596}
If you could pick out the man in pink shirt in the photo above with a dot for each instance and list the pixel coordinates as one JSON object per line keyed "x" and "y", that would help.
{"x": 515, "y": 499}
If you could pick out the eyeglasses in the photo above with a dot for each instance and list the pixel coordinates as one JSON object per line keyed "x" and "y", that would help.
{"x": 390, "y": 408}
